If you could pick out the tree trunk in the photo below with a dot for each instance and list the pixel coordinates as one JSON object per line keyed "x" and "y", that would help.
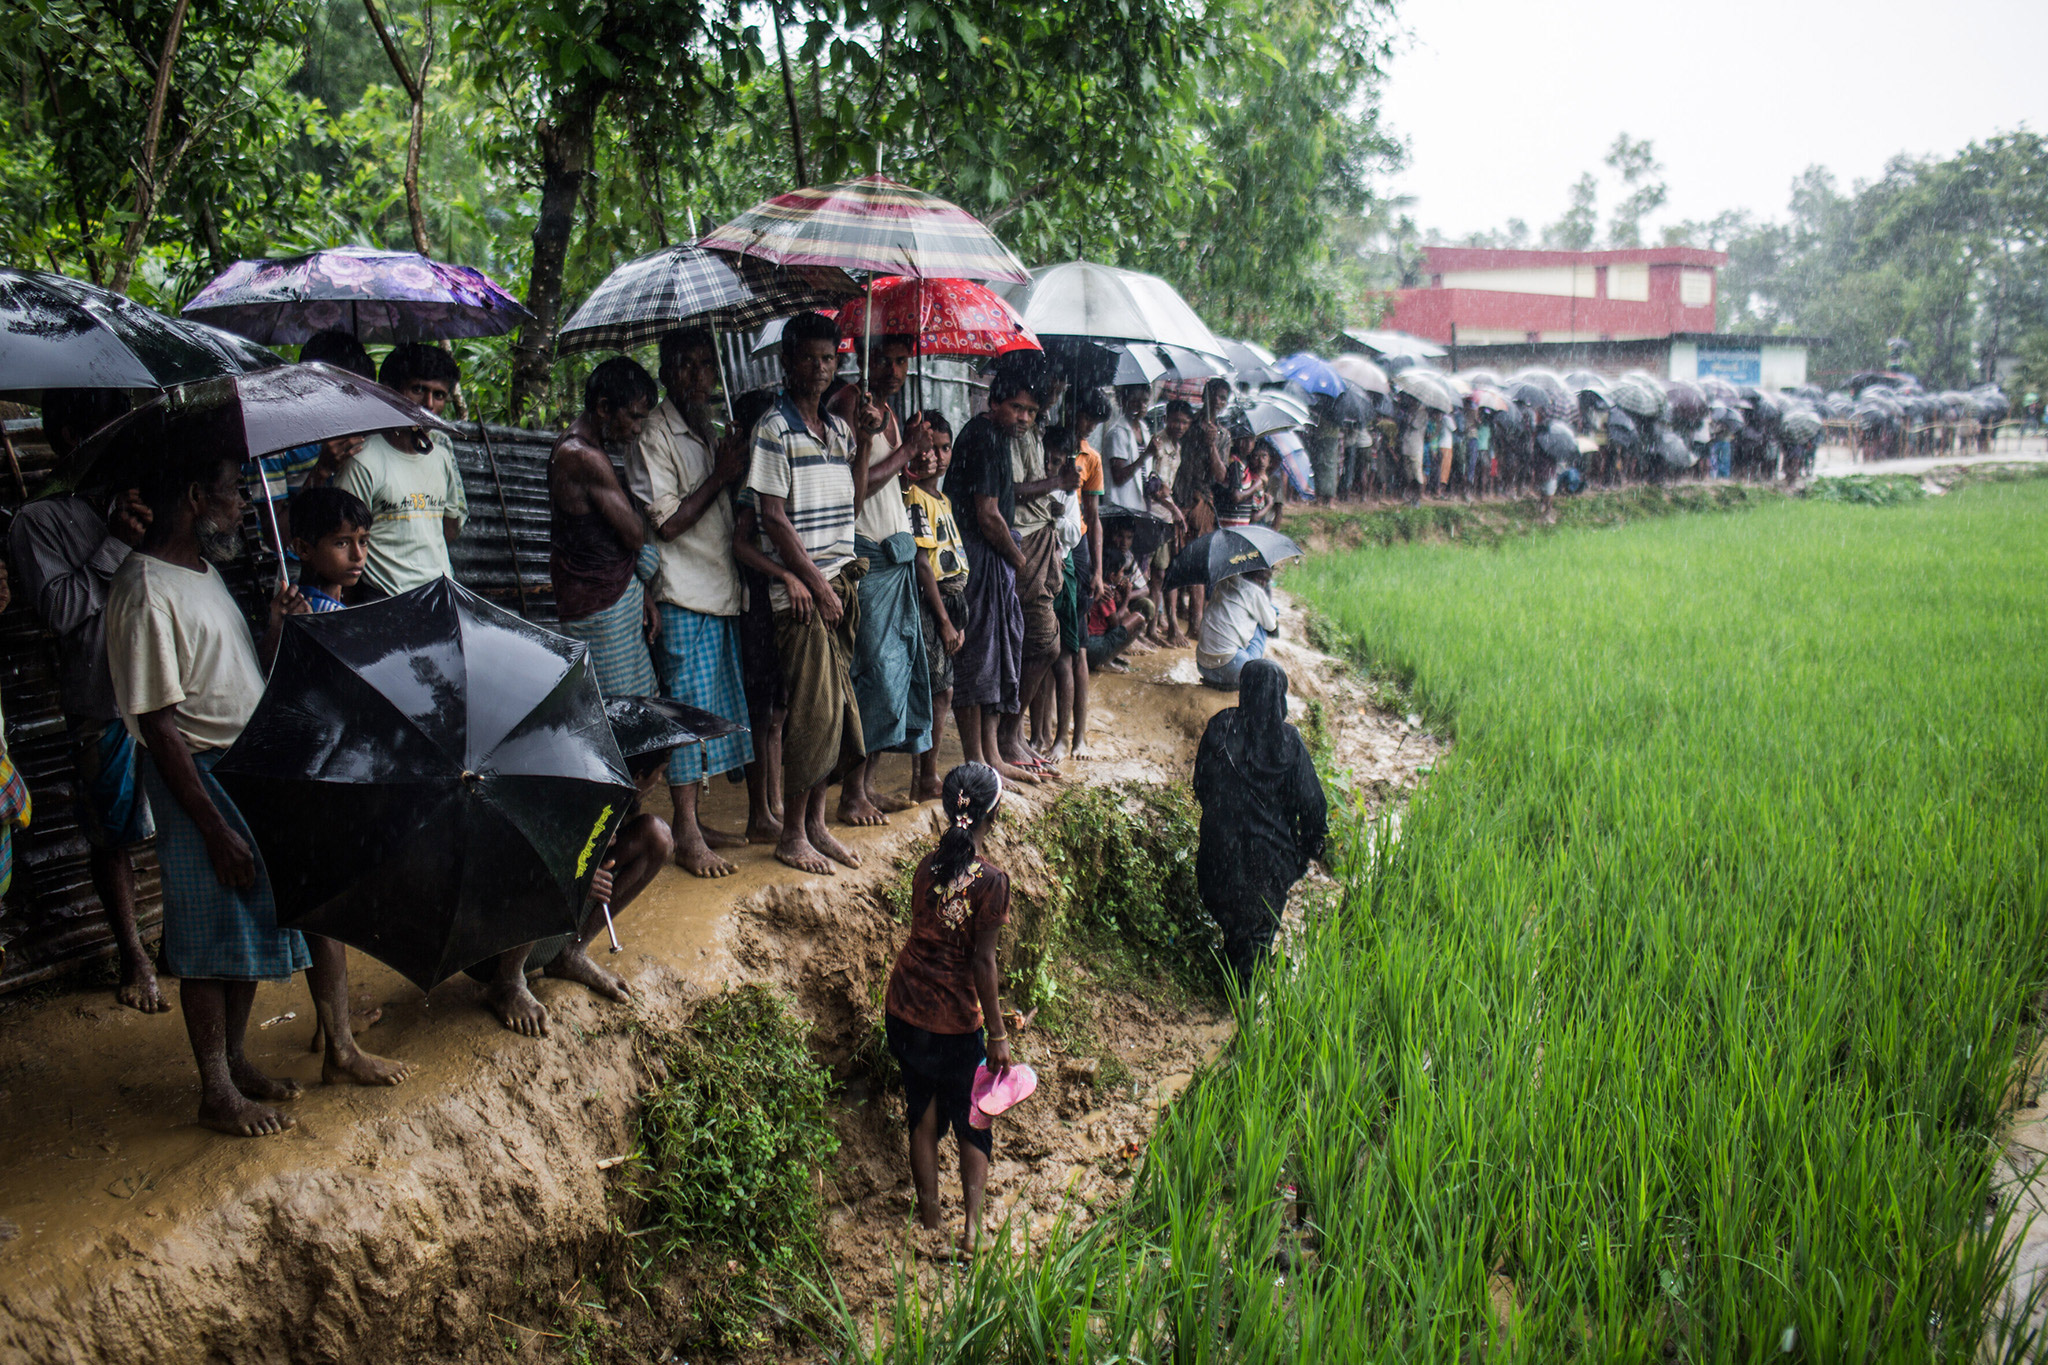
{"x": 568, "y": 146}
{"x": 416, "y": 89}
{"x": 147, "y": 189}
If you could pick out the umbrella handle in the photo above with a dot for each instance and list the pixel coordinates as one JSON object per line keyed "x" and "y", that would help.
{"x": 606, "y": 906}
{"x": 717, "y": 351}
{"x": 276, "y": 535}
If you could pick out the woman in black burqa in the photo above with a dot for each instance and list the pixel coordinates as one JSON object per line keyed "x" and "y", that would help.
{"x": 1263, "y": 816}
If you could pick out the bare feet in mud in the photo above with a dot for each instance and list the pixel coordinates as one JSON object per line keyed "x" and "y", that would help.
{"x": 799, "y": 854}
{"x": 138, "y": 989}
{"x": 856, "y": 811}
{"x": 927, "y": 791}
{"x": 362, "y": 1017}
{"x": 695, "y": 857}
{"x": 764, "y": 831}
{"x": 576, "y": 965}
{"x": 822, "y": 841}
{"x": 363, "y": 1068}
{"x": 255, "y": 1085}
{"x": 892, "y": 803}
{"x": 516, "y": 1008}
{"x": 238, "y": 1116}
{"x": 1010, "y": 772}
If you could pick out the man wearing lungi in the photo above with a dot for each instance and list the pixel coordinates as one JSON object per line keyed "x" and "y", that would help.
{"x": 800, "y": 481}
{"x": 597, "y": 537}
{"x": 66, "y": 550}
{"x": 1041, "y": 570}
{"x": 186, "y": 678}
{"x": 685, "y": 490}
{"x": 890, "y": 677}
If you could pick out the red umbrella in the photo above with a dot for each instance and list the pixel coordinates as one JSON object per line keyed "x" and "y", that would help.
{"x": 948, "y": 317}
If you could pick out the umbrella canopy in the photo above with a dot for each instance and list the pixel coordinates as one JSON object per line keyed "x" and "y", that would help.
{"x": 1252, "y": 363}
{"x": 1148, "y": 532}
{"x": 1356, "y": 405}
{"x": 242, "y": 354}
{"x": 1427, "y": 389}
{"x": 1673, "y": 449}
{"x": 430, "y": 778}
{"x": 1363, "y": 373}
{"x": 246, "y": 415}
{"x": 1301, "y": 473}
{"x": 1228, "y": 551}
{"x": 1802, "y": 424}
{"x": 374, "y": 296}
{"x": 1555, "y": 441}
{"x": 1489, "y": 399}
{"x": 1081, "y": 298}
{"x": 1384, "y": 344}
{"x": 1687, "y": 403}
{"x": 1183, "y": 363}
{"x": 1585, "y": 381}
{"x": 1091, "y": 364}
{"x": 1266, "y": 416}
{"x": 1558, "y": 403}
{"x": 947, "y": 316}
{"x": 1313, "y": 374}
{"x": 649, "y": 727}
{"x": 1634, "y": 396}
{"x": 873, "y": 223}
{"x": 61, "y": 333}
{"x": 682, "y": 286}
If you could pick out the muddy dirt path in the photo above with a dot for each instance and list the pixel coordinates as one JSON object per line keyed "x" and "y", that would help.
{"x": 426, "y": 1222}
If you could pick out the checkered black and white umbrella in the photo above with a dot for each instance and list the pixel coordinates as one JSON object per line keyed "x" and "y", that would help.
{"x": 683, "y": 286}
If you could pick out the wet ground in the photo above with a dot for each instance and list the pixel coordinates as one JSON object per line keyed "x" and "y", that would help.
{"x": 415, "y": 1222}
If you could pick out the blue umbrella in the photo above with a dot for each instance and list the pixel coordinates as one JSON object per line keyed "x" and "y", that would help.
{"x": 1313, "y": 374}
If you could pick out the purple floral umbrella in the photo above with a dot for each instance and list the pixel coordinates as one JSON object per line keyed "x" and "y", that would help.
{"x": 376, "y": 296}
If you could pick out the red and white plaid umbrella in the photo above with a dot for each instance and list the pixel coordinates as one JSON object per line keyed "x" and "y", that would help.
{"x": 875, "y": 224}
{"x": 947, "y": 316}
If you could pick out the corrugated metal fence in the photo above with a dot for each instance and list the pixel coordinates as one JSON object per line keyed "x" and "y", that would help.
{"x": 50, "y": 921}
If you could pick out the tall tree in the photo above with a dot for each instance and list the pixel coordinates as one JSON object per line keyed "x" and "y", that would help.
{"x": 1581, "y": 221}
{"x": 1635, "y": 162}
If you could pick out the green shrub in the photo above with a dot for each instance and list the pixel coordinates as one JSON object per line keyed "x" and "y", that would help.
{"x": 733, "y": 1135}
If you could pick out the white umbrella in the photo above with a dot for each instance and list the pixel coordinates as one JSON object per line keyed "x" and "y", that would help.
{"x": 1104, "y": 303}
{"x": 1362, "y": 372}
{"x": 1427, "y": 388}
{"x": 1268, "y": 417}
{"x": 1288, "y": 401}
{"x": 1137, "y": 365}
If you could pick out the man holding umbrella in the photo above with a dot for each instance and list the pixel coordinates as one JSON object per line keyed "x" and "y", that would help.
{"x": 187, "y": 677}
{"x": 408, "y": 479}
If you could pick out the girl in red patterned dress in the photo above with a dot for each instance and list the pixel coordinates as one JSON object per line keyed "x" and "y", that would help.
{"x": 944, "y": 989}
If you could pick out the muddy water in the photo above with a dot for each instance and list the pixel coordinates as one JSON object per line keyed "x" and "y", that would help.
{"x": 434, "y": 1221}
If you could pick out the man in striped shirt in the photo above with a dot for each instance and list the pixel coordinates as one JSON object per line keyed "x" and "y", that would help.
{"x": 801, "y": 483}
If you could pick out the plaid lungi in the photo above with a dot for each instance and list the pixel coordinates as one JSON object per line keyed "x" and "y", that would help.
{"x": 618, "y": 645}
{"x": 699, "y": 659}
{"x": 213, "y": 932}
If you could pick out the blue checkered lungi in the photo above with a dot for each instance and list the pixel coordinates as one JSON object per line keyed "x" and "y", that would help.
{"x": 699, "y": 659}
{"x": 618, "y": 645}
{"x": 213, "y": 932}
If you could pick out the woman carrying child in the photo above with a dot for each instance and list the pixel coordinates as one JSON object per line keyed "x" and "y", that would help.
{"x": 945, "y": 987}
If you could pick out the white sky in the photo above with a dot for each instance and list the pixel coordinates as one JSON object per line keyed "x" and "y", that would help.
{"x": 1502, "y": 103}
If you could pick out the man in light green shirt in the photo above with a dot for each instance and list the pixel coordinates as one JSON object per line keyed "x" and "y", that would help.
{"x": 416, "y": 500}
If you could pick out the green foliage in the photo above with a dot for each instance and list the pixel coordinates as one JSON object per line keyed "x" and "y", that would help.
{"x": 1887, "y": 490}
{"x": 1674, "y": 1020}
{"x": 1122, "y": 865}
{"x": 733, "y": 1134}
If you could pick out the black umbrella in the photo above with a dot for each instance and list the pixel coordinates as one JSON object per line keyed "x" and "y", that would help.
{"x": 429, "y": 778}
{"x": 1556, "y": 442}
{"x": 1673, "y": 450}
{"x": 647, "y": 728}
{"x": 1147, "y": 531}
{"x": 1231, "y": 550}
{"x": 245, "y": 415}
{"x": 1356, "y": 405}
{"x": 61, "y": 333}
{"x": 1622, "y": 431}
{"x": 1688, "y": 403}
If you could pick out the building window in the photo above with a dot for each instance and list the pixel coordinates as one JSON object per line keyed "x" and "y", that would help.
{"x": 1695, "y": 288}
{"x": 1630, "y": 282}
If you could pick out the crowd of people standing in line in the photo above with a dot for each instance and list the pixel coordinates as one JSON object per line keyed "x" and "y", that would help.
{"x": 834, "y": 576}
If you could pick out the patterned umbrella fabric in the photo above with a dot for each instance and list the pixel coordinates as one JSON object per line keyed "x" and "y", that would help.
{"x": 873, "y": 223}
{"x": 681, "y": 286}
{"x": 948, "y": 317}
{"x": 375, "y": 296}
{"x": 1313, "y": 373}
{"x": 61, "y": 333}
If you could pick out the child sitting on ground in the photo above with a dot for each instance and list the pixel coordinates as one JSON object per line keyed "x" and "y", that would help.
{"x": 941, "y": 585}
{"x": 331, "y": 537}
{"x": 1118, "y": 617}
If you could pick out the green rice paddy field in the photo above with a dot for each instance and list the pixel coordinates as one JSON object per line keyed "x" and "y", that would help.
{"x": 1678, "y": 1020}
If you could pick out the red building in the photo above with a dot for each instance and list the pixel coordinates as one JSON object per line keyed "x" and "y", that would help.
{"x": 1479, "y": 296}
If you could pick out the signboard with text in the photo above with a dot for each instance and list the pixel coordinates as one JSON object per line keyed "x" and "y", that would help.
{"x": 1742, "y": 365}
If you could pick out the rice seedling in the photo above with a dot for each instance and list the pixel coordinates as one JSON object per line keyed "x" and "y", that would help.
{"x": 1677, "y": 1021}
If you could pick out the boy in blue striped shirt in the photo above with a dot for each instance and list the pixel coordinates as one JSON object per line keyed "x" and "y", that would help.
{"x": 331, "y": 537}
